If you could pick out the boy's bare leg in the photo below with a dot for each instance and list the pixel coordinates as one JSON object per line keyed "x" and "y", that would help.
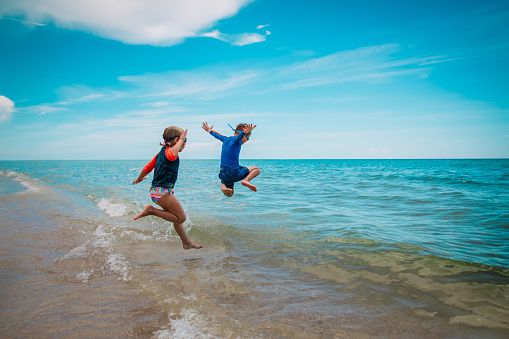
{"x": 226, "y": 191}
{"x": 253, "y": 173}
{"x": 172, "y": 212}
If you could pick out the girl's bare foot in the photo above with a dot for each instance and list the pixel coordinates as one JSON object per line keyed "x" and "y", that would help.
{"x": 248, "y": 185}
{"x": 191, "y": 245}
{"x": 145, "y": 212}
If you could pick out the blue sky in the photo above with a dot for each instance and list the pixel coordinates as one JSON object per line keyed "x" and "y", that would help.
{"x": 321, "y": 79}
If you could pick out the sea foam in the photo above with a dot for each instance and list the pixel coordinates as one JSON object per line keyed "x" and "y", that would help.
{"x": 113, "y": 209}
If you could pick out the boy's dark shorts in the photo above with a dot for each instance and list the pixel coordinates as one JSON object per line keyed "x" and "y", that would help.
{"x": 229, "y": 177}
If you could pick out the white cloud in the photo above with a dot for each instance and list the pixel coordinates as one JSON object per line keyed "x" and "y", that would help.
{"x": 261, "y": 26}
{"x": 151, "y": 22}
{"x": 6, "y": 108}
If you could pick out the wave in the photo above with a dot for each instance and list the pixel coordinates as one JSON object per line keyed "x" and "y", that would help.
{"x": 30, "y": 184}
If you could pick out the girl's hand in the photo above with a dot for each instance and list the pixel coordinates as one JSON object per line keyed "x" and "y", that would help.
{"x": 137, "y": 181}
{"x": 183, "y": 135}
{"x": 179, "y": 146}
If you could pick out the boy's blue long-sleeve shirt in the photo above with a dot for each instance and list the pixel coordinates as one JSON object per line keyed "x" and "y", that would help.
{"x": 231, "y": 149}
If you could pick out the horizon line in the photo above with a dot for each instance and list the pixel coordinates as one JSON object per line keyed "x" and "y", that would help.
{"x": 247, "y": 159}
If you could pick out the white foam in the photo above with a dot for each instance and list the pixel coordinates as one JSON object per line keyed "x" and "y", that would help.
{"x": 83, "y": 276}
{"x": 118, "y": 264}
{"x": 188, "y": 325}
{"x": 24, "y": 180}
{"x": 103, "y": 238}
{"x": 77, "y": 252}
{"x": 111, "y": 208}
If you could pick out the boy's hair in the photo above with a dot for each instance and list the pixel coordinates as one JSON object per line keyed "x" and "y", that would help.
{"x": 241, "y": 126}
{"x": 169, "y": 135}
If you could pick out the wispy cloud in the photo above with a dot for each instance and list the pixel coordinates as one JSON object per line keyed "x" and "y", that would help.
{"x": 372, "y": 65}
{"x": 43, "y": 109}
{"x": 156, "y": 104}
{"x": 26, "y": 22}
{"x": 263, "y": 26}
{"x": 242, "y": 39}
{"x": 246, "y": 39}
{"x": 152, "y": 22}
{"x": 199, "y": 85}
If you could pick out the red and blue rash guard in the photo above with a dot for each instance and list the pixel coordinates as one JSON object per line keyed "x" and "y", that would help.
{"x": 166, "y": 168}
{"x": 231, "y": 149}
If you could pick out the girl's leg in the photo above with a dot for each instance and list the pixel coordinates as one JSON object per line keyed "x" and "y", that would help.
{"x": 173, "y": 209}
{"x": 173, "y": 212}
{"x": 253, "y": 173}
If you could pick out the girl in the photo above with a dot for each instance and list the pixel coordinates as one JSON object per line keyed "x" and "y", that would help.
{"x": 166, "y": 164}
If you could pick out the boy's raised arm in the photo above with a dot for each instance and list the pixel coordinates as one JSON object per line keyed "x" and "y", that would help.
{"x": 206, "y": 127}
{"x": 216, "y": 135}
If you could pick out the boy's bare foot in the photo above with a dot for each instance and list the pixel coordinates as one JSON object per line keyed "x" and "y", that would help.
{"x": 191, "y": 245}
{"x": 248, "y": 185}
{"x": 226, "y": 191}
{"x": 145, "y": 212}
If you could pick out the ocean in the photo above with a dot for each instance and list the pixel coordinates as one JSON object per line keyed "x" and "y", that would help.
{"x": 324, "y": 249}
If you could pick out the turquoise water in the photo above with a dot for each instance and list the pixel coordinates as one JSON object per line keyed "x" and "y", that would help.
{"x": 430, "y": 236}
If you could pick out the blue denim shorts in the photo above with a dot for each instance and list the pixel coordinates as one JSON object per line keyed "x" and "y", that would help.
{"x": 229, "y": 177}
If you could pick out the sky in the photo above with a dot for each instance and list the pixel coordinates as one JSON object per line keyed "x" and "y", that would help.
{"x": 102, "y": 79}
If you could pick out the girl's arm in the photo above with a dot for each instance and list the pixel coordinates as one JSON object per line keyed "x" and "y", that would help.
{"x": 141, "y": 177}
{"x": 146, "y": 170}
{"x": 178, "y": 146}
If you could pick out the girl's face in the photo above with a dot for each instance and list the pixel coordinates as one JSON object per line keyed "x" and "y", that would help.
{"x": 183, "y": 145}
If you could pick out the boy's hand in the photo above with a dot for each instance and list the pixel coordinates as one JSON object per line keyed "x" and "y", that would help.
{"x": 206, "y": 127}
{"x": 248, "y": 129}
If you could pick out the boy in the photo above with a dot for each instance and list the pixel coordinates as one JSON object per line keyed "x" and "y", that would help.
{"x": 231, "y": 171}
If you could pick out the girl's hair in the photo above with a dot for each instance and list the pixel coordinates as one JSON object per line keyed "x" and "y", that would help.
{"x": 169, "y": 135}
